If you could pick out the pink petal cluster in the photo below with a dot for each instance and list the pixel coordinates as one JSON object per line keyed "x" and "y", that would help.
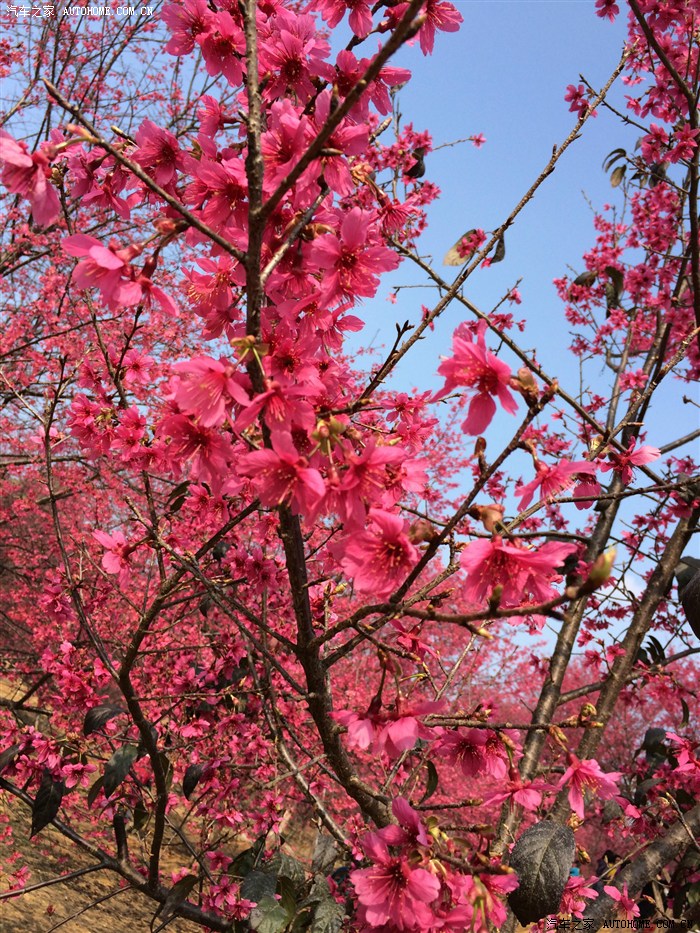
{"x": 583, "y": 776}
{"x": 626, "y": 905}
{"x": 475, "y": 751}
{"x": 387, "y": 732}
{"x": 551, "y": 480}
{"x": 28, "y": 174}
{"x": 524, "y": 575}
{"x": 116, "y": 557}
{"x": 282, "y": 476}
{"x": 353, "y": 259}
{"x": 391, "y": 893}
{"x": 623, "y": 463}
{"x": 474, "y": 367}
{"x": 102, "y": 268}
{"x": 207, "y": 389}
{"x": 379, "y": 559}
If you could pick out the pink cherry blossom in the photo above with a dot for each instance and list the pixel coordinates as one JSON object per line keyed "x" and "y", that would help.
{"x": 484, "y": 893}
{"x": 439, "y": 15}
{"x": 626, "y": 905}
{"x": 551, "y": 480}
{"x": 527, "y": 794}
{"x": 362, "y": 730}
{"x": 159, "y": 152}
{"x": 684, "y": 143}
{"x": 393, "y": 895}
{"x": 476, "y": 751}
{"x": 208, "y": 389}
{"x": 576, "y": 98}
{"x": 607, "y": 9}
{"x": 116, "y": 558}
{"x": 186, "y": 22}
{"x": 578, "y": 890}
{"x": 332, "y": 11}
{"x": 410, "y": 829}
{"x": 223, "y": 47}
{"x": 403, "y": 729}
{"x": 623, "y": 463}
{"x": 353, "y": 259}
{"x": 282, "y": 476}
{"x": 473, "y": 366}
{"x": 28, "y": 174}
{"x": 525, "y": 575}
{"x": 350, "y": 71}
{"x": 684, "y": 753}
{"x": 583, "y": 776}
{"x": 207, "y": 450}
{"x": 379, "y": 559}
{"x": 101, "y": 268}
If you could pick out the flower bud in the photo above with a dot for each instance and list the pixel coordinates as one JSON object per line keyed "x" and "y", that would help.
{"x": 167, "y": 226}
{"x": 421, "y": 530}
{"x": 602, "y": 566}
{"x": 489, "y": 515}
{"x": 526, "y": 379}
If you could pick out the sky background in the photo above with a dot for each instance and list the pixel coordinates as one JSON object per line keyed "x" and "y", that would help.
{"x": 505, "y": 74}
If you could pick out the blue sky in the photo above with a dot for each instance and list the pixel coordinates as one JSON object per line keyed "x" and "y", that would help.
{"x": 504, "y": 74}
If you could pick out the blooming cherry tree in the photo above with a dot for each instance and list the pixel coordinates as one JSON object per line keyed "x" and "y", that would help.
{"x": 251, "y": 586}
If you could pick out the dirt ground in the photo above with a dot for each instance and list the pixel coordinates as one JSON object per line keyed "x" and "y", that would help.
{"x": 94, "y": 903}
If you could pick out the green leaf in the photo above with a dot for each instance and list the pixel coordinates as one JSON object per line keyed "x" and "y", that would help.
{"x": 301, "y": 921}
{"x": 617, "y": 175}
{"x": 686, "y": 714}
{"x": 177, "y": 896}
{"x": 655, "y": 650}
{"x": 95, "y": 790}
{"x": 96, "y": 717}
{"x": 612, "y": 158}
{"x": 286, "y": 866}
{"x": 542, "y": 858}
{"x": 118, "y": 767}
{"x": 258, "y": 885}
{"x": 46, "y": 803}
{"x": 177, "y": 497}
{"x": 431, "y": 785}
{"x": 269, "y": 916}
{"x": 287, "y": 891}
{"x": 192, "y": 776}
{"x": 247, "y": 860}
{"x": 500, "y": 252}
{"x": 8, "y": 756}
{"x": 141, "y": 817}
{"x": 167, "y": 769}
{"x": 328, "y": 917}
{"x": 325, "y": 854}
{"x": 684, "y": 799}
{"x": 142, "y": 751}
{"x": 320, "y": 890}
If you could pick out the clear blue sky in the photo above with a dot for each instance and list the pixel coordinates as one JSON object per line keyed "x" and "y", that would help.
{"x": 505, "y": 74}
